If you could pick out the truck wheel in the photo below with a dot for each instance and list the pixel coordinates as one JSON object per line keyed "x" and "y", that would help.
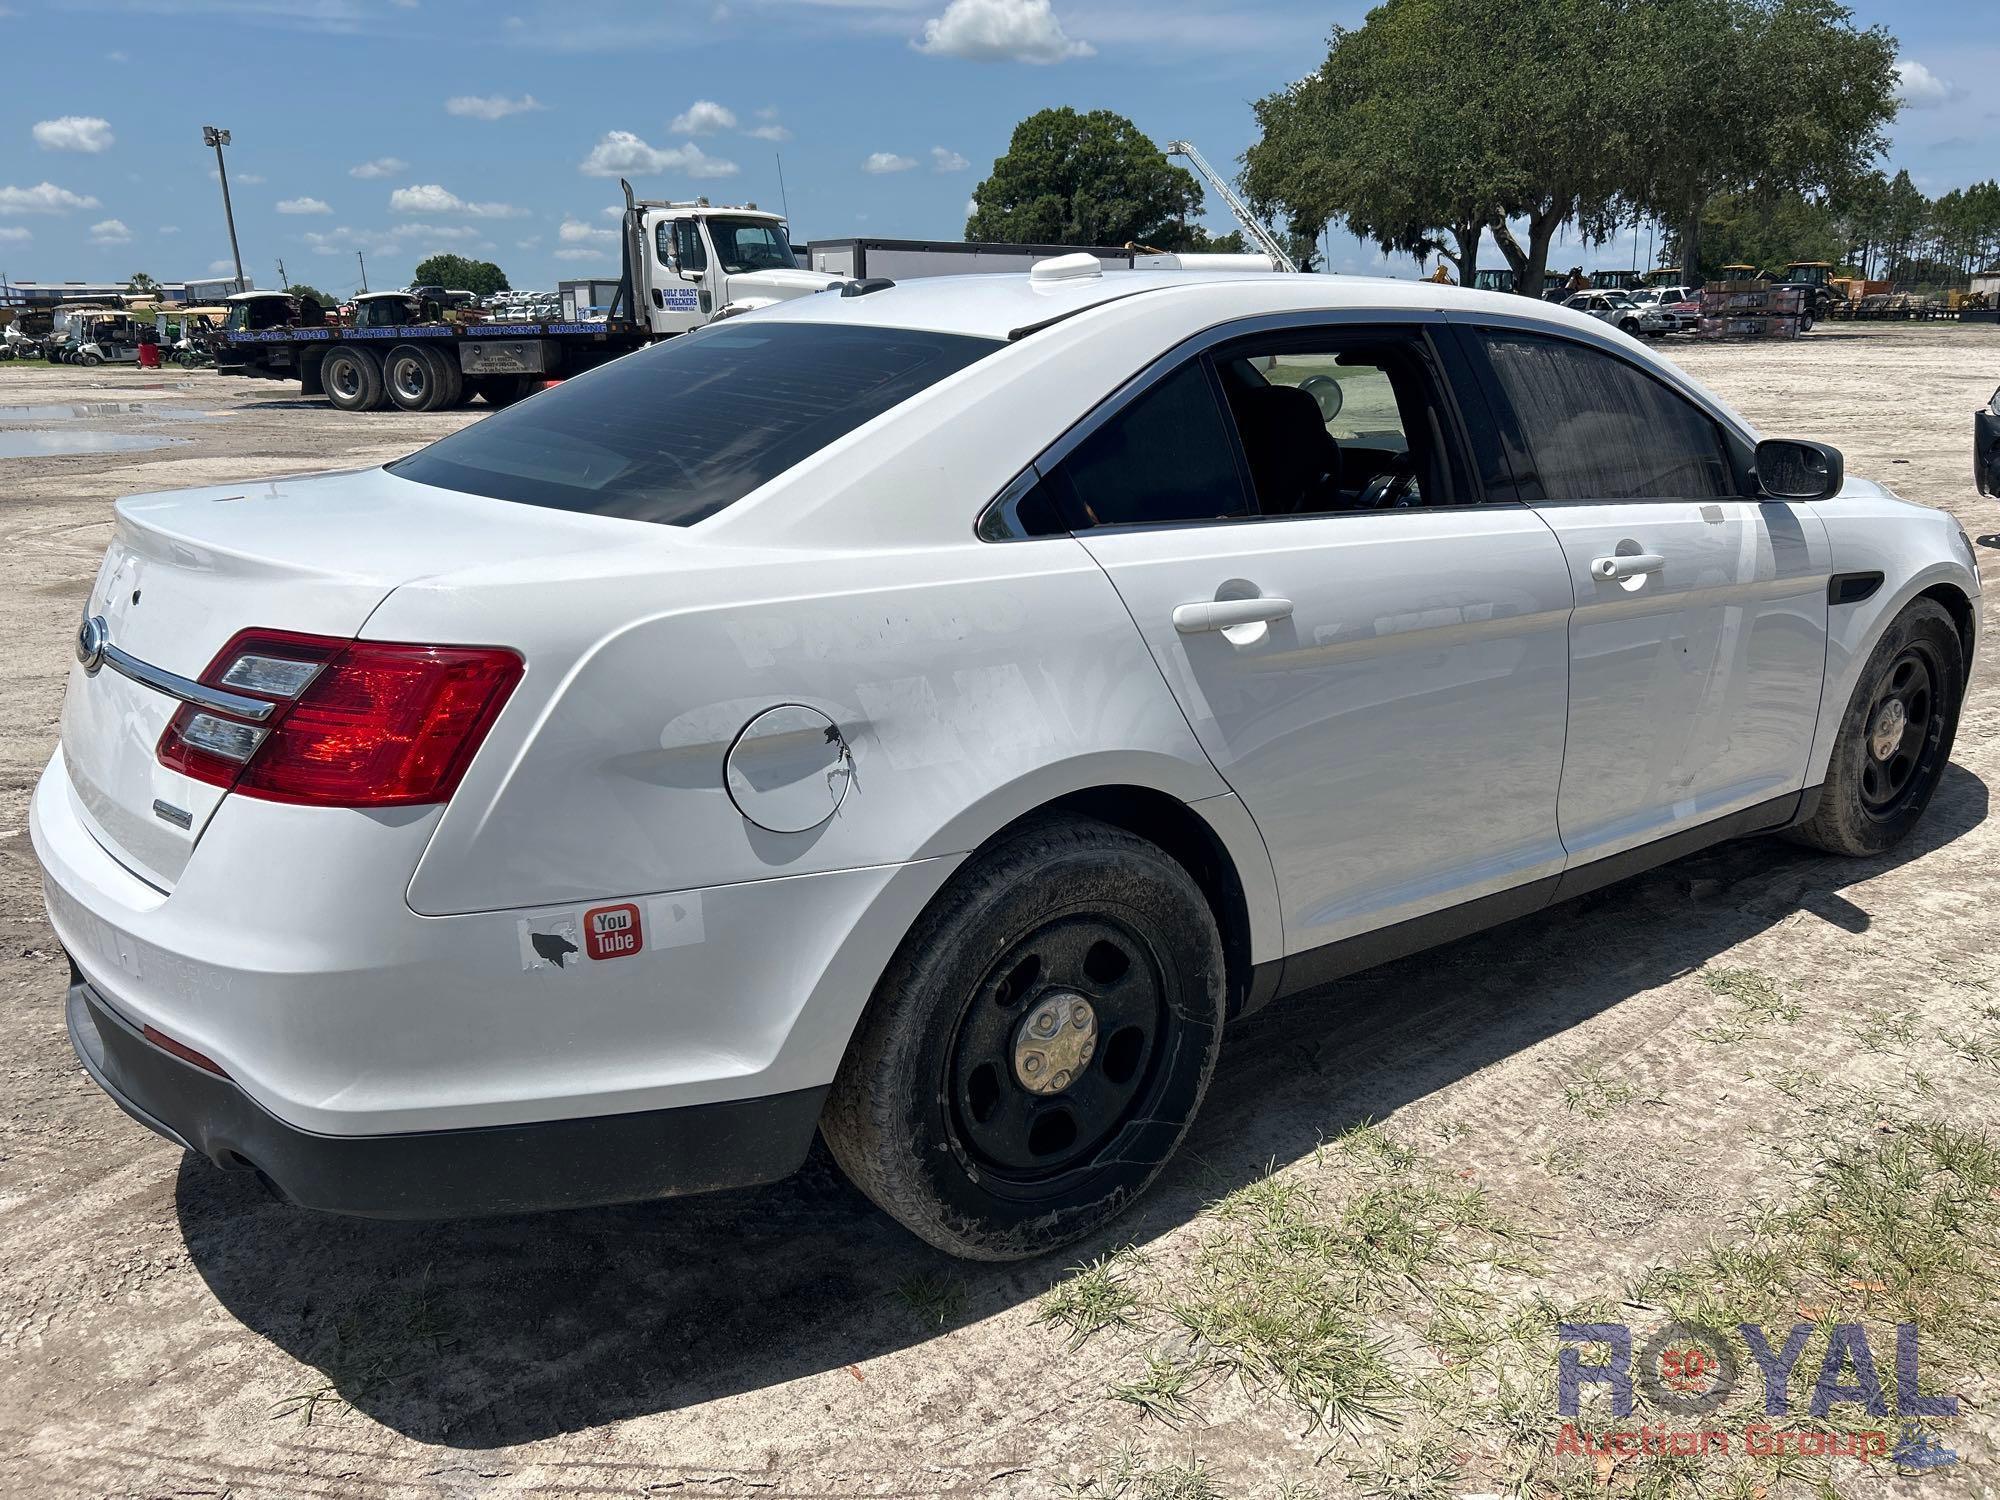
{"x": 352, "y": 377}
{"x": 1895, "y": 739}
{"x": 1038, "y": 1045}
{"x": 502, "y": 390}
{"x": 450, "y": 378}
{"x": 411, "y": 378}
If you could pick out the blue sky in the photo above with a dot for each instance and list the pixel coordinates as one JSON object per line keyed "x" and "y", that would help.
{"x": 399, "y": 127}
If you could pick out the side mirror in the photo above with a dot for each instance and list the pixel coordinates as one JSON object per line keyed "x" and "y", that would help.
{"x": 690, "y": 275}
{"x": 1791, "y": 469}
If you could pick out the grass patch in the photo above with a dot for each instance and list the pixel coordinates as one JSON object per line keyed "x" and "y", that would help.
{"x": 936, "y": 1299}
{"x": 1097, "y": 1296}
{"x": 1590, "y": 1094}
{"x": 1131, "y": 1477}
{"x": 1162, "y": 1392}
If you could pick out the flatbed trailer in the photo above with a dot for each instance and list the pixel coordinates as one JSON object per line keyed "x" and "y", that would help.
{"x": 498, "y": 361}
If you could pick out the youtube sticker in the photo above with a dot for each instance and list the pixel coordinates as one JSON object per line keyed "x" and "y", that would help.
{"x": 612, "y": 931}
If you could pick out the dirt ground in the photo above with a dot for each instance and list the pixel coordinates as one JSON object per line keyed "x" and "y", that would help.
{"x": 1756, "y": 1085}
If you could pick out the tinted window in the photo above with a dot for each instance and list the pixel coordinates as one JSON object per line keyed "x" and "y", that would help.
{"x": 674, "y": 433}
{"x": 1595, "y": 428}
{"x": 1165, "y": 457}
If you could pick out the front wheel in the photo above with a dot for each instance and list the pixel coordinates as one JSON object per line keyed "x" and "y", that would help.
{"x": 1038, "y": 1046}
{"x": 1896, "y": 737}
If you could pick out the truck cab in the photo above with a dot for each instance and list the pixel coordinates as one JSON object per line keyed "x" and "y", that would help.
{"x": 692, "y": 263}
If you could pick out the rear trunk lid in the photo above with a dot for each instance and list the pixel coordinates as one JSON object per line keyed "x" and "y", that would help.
{"x": 188, "y": 570}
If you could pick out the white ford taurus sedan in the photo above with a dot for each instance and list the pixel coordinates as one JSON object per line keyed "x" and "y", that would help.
{"x": 929, "y": 716}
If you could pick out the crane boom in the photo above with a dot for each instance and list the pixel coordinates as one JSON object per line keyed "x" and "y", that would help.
{"x": 1266, "y": 241}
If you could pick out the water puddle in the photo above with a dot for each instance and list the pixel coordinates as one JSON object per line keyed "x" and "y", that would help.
{"x": 79, "y": 411}
{"x": 58, "y": 444}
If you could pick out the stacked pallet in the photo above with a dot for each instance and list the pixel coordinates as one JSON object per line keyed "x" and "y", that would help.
{"x": 1750, "y": 310}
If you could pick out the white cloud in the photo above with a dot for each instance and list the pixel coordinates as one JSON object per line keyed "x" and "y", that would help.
{"x": 400, "y": 240}
{"x": 532, "y": 242}
{"x": 576, "y": 232}
{"x": 769, "y": 129}
{"x": 110, "y": 232}
{"x": 1916, "y": 85}
{"x": 491, "y": 106}
{"x": 14, "y": 236}
{"x": 621, "y": 151}
{"x": 74, "y": 133}
{"x": 582, "y": 254}
{"x": 946, "y": 160}
{"x": 168, "y": 229}
{"x": 42, "y": 198}
{"x": 1000, "y": 31}
{"x": 303, "y": 206}
{"x": 703, "y": 117}
{"x": 222, "y": 268}
{"x": 241, "y": 179}
{"x": 429, "y": 198}
{"x": 883, "y": 162}
{"x": 382, "y": 166}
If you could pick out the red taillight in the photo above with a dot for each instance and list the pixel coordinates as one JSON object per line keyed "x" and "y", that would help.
{"x": 183, "y": 1051}
{"x": 357, "y": 723}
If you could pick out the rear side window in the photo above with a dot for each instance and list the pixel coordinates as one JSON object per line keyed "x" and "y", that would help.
{"x": 677, "y": 432}
{"x": 1596, "y": 428}
{"x": 1165, "y": 457}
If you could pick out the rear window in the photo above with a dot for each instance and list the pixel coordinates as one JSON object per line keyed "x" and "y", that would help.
{"x": 677, "y": 432}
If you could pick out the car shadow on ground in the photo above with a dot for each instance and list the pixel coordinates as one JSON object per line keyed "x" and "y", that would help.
{"x": 493, "y": 1332}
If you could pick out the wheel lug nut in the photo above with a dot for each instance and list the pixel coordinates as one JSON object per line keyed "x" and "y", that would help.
{"x": 1061, "y": 1080}
{"x": 1031, "y": 1064}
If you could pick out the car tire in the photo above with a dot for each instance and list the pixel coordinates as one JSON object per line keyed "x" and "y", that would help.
{"x": 931, "y": 1115}
{"x": 352, "y": 378}
{"x": 1895, "y": 738}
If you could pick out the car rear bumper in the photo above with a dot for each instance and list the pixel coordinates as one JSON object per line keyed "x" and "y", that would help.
{"x": 498, "y": 1169}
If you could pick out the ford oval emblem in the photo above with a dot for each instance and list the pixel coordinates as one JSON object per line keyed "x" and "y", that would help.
{"x": 93, "y": 639}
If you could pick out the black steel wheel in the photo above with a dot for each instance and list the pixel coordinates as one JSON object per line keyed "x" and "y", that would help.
{"x": 1903, "y": 732}
{"x": 1038, "y": 1046}
{"x": 1895, "y": 738}
{"x": 1054, "y": 1050}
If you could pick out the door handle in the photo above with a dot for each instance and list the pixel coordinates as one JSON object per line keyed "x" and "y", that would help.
{"x": 1631, "y": 565}
{"x": 1225, "y": 614}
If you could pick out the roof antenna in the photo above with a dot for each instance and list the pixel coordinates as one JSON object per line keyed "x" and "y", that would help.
{"x": 787, "y": 202}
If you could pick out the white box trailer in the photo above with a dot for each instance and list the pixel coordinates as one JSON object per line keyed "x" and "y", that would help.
{"x": 907, "y": 260}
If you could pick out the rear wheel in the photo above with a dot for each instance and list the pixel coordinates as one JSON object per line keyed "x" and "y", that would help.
{"x": 352, "y": 377}
{"x": 1039, "y": 1045}
{"x": 450, "y": 378}
{"x": 413, "y": 380}
{"x": 1895, "y": 738}
{"x": 501, "y": 390}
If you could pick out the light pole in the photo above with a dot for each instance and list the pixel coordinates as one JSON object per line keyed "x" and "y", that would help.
{"x": 210, "y": 136}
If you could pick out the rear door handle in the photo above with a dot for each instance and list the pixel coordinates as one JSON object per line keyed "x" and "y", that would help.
{"x": 1225, "y": 614}
{"x": 1632, "y": 565}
